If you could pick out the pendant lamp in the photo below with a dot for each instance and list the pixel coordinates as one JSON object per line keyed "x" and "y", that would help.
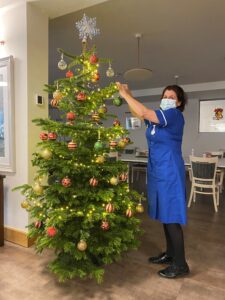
{"x": 138, "y": 73}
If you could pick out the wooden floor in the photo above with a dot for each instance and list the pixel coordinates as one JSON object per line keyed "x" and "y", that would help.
{"x": 24, "y": 275}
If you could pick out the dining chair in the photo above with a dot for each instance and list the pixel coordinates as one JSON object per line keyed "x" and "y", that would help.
{"x": 138, "y": 168}
{"x": 204, "y": 181}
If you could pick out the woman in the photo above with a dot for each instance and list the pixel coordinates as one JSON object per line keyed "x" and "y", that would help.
{"x": 166, "y": 172}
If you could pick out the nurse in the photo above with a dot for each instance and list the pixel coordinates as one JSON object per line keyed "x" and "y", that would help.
{"x": 166, "y": 172}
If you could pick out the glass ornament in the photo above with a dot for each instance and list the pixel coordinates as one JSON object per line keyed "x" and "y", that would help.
{"x": 62, "y": 65}
{"x": 110, "y": 72}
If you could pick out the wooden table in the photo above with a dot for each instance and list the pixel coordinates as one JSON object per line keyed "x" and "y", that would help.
{"x": 1, "y": 211}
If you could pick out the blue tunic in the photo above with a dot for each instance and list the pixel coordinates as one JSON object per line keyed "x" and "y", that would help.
{"x": 166, "y": 171}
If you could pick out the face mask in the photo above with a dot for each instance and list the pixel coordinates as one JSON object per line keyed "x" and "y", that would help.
{"x": 167, "y": 103}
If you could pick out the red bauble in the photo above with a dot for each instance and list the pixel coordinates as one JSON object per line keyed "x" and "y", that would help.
{"x": 72, "y": 146}
{"x": 66, "y": 182}
{"x": 113, "y": 144}
{"x": 51, "y": 231}
{"x": 38, "y": 224}
{"x": 43, "y": 136}
{"x": 81, "y": 96}
{"x": 52, "y": 136}
{"x": 93, "y": 181}
{"x": 69, "y": 74}
{"x": 123, "y": 177}
{"x": 116, "y": 122}
{"x": 126, "y": 139}
{"x": 93, "y": 59}
{"x": 129, "y": 213}
{"x": 105, "y": 225}
{"x": 54, "y": 102}
{"x": 70, "y": 116}
{"x": 109, "y": 207}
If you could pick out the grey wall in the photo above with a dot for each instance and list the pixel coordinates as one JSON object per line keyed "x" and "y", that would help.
{"x": 201, "y": 142}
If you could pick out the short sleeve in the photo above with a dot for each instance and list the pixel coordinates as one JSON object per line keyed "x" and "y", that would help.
{"x": 167, "y": 117}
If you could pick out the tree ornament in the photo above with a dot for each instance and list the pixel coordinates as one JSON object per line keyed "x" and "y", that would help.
{"x": 113, "y": 180}
{"x": 93, "y": 181}
{"x": 37, "y": 224}
{"x": 57, "y": 95}
{"x": 46, "y": 153}
{"x": 105, "y": 225}
{"x": 117, "y": 101}
{"x": 113, "y": 144}
{"x": 81, "y": 96}
{"x": 87, "y": 28}
{"x": 72, "y": 145}
{"x": 110, "y": 72}
{"x": 24, "y": 204}
{"x": 52, "y": 136}
{"x": 98, "y": 145}
{"x": 70, "y": 116}
{"x": 122, "y": 144}
{"x": 66, "y": 182}
{"x": 82, "y": 245}
{"x": 109, "y": 208}
{"x": 129, "y": 213}
{"x": 95, "y": 117}
{"x": 93, "y": 59}
{"x": 95, "y": 77}
{"x": 123, "y": 177}
{"x": 139, "y": 208}
{"x": 116, "y": 123}
{"x": 43, "y": 136}
{"x": 102, "y": 109}
{"x": 126, "y": 140}
{"x": 69, "y": 74}
{"x": 54, "y": 103}
{"x": 100, "y": 159}
{"x": 62, "y": 65}
{"x": 51, "y": 231}
{"x": 37, "y": 188}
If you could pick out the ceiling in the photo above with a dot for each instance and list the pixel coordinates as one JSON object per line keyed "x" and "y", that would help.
{"x": 180, "y": 37}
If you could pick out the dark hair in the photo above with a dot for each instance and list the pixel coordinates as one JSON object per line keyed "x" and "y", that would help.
{"x": 181, "y": 95}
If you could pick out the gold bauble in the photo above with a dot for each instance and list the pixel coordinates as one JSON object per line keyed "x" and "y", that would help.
{"x": 57, "y": 95}
{"x": 139, "y": 208}
{"x": 37, "y": 188}
{"x": 82, "y": 245}
{"x": 46, "y": 153}
{"x": 122, "y": 144}
{"x": 113, "y": 181}
{"x": 100, "y": 159}
{"x": 24, "y": 204}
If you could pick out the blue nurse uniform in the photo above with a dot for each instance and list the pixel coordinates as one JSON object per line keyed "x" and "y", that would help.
{"x": 166, "y": 171}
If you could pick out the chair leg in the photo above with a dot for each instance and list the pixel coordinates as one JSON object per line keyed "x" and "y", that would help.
{"x": 194, "y": 196}
{"x": 191, "y": 195}
{"x": 218, "y": 196}
{"x": 214, "y": 199}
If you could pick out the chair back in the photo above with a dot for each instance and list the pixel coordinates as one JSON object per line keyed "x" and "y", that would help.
{"x": 204, "y": 169}
{"x": 218, "y": 154}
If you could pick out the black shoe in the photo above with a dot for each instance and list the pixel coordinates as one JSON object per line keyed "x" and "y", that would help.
{"x": 174, "y": 271}
{"x": 161, "y": 259}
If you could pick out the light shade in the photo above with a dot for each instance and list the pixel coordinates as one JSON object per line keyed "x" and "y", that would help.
{"x": 137, "y": 74}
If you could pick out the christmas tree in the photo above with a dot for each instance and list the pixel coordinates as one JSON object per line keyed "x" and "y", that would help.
{"x": 84, "y": 210}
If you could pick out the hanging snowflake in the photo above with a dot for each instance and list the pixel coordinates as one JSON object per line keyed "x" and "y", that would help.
{"x": 87, "y": 28}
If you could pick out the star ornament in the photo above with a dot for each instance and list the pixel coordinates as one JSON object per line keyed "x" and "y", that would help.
{"x": 87, "y": 28}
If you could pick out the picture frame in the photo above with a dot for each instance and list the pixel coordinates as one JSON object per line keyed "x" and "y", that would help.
{"x": 7, "y": 147}
{"x": 212, "y": 115}
{"x": 133, "y": 123}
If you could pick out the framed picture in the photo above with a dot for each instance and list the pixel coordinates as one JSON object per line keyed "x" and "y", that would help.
{"x": 133, "y": 123}
{"x": 212, "y": 115}
{"x": 6, "y": 115}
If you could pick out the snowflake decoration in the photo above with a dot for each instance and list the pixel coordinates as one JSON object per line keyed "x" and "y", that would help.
{"x": 87, "y": 28}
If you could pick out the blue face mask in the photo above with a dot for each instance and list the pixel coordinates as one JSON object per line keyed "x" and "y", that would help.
{"x": 167, "y": 103}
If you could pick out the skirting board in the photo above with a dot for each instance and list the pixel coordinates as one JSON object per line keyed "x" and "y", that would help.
{"x": 17, "y": 236}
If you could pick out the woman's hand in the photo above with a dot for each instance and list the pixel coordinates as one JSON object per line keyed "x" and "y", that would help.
{"x": 123, "y": 90}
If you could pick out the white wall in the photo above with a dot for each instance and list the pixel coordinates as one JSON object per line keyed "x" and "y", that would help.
{"x": 21, "y": 27}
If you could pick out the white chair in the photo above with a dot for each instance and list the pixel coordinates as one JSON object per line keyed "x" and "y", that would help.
{"x": 203, "y": 171}
{"x": 138, "y": 168}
